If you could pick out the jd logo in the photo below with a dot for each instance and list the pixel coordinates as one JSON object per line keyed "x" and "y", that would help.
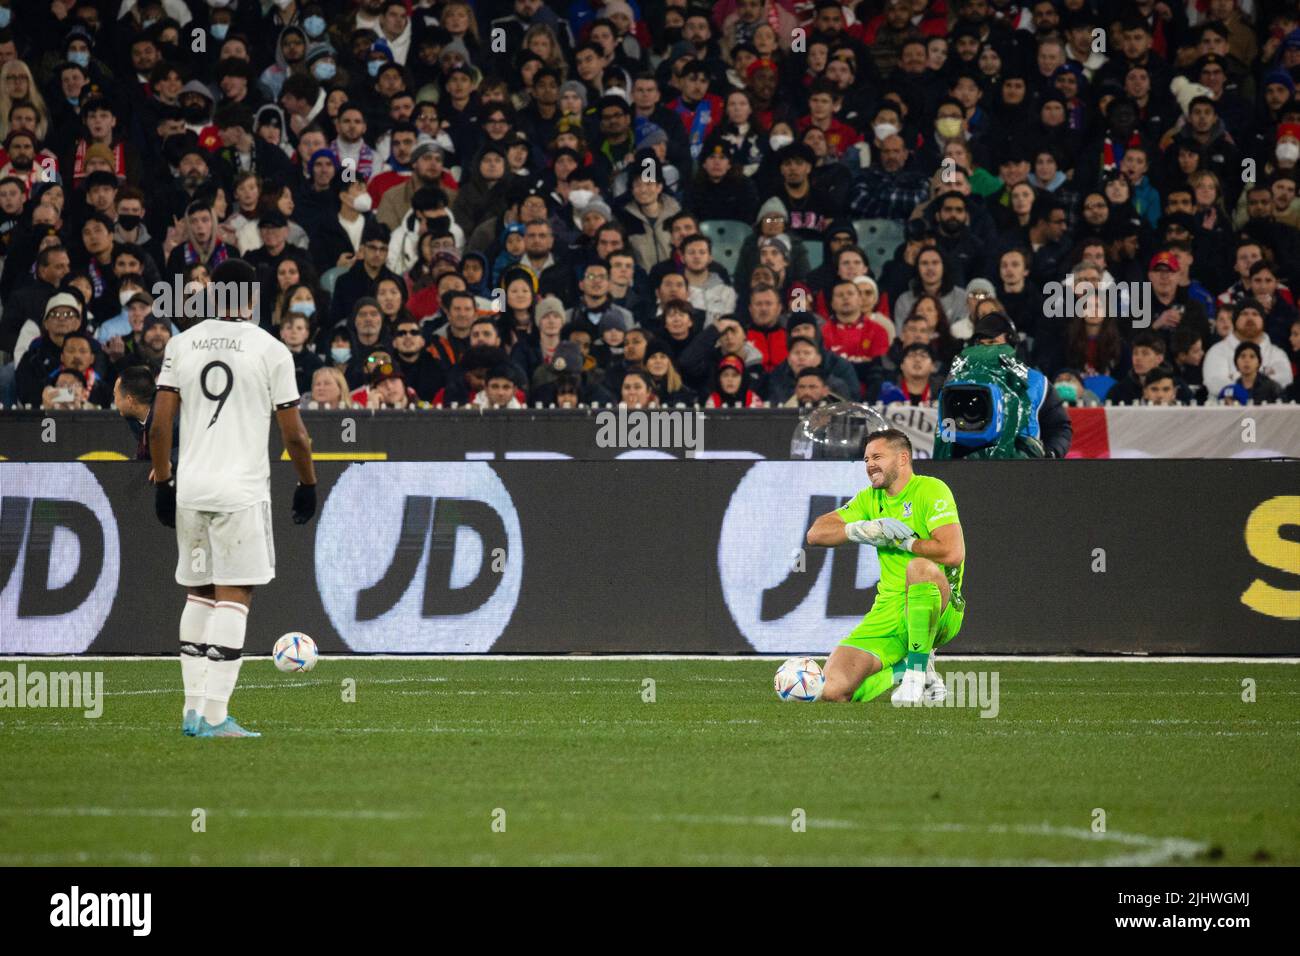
{"x": 440, "y": 598}
{"x": 59, "y": 558}
{"x": 778, "y": 609}
{"x": 437, "y": 571}
{"x": 843, "y": 597}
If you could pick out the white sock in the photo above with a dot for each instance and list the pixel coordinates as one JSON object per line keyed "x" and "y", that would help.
{"x": 225, "y": 655}
{"x": 194, "y": 662}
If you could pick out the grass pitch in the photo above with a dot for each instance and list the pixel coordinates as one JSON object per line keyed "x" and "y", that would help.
{"x": 433, "y": 756}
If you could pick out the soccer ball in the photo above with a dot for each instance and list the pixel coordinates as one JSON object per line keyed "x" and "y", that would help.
{"x": 295, "y": 653}
{"x": 800, "y": 678}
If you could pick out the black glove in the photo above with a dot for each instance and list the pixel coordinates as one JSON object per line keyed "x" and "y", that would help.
{"x": 304, "y": 503}
{"x": 164, "y": 501}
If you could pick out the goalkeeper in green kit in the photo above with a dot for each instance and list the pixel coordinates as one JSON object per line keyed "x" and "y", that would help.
{"x": 911, "y": 520}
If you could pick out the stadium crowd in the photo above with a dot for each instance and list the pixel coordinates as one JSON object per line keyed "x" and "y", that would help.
{"x": 733, "y": 203}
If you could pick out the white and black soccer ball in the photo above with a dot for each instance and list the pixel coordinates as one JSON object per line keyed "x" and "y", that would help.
{"x": 801, "y": 679}
{"x": 295, "y": 653}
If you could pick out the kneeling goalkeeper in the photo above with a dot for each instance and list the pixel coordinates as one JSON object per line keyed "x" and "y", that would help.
{"x": 911, "y": 520}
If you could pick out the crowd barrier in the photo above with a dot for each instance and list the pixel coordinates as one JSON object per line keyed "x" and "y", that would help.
{"x": 471, "y": 434}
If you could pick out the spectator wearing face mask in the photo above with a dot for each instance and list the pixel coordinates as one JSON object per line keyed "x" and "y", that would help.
{"x": 336, "y": 240}
{"x": 1070, "y": 389}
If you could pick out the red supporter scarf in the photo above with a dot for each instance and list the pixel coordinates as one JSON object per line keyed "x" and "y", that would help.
{"x": 1109, "y": 163}
{"x": 79, "y": 162}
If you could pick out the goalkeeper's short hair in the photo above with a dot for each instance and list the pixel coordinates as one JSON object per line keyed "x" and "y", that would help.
{"x": 896, "y": 438}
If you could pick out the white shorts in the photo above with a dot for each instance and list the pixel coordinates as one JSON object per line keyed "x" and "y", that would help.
{"x": 231, "y": 548}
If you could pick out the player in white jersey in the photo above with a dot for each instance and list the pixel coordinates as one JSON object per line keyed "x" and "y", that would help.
{"x": 226, "y": 376}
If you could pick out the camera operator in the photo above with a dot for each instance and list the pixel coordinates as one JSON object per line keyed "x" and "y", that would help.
{"x": 1054, "y": 429}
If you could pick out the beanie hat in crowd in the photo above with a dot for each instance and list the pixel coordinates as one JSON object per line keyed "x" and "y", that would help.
{"x": 567, "y": 357}
{"x": 546, "y": 305}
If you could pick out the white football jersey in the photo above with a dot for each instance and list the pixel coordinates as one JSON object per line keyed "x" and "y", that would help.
{"x": 231, "y": 376}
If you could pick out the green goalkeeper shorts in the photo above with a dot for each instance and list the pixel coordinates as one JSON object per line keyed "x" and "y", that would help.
{"x": 883, "y": 632}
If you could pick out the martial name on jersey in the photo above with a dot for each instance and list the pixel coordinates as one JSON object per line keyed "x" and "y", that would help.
{"x": 218, "y": 342}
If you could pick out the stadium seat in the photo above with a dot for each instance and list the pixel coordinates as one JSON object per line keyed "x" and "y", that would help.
{"x": 330, "y": 277}
{"x": 728, "y": 235}
{"x": 879, "y": 238}
{"x": 1099, "y": 385}
{"x": 816, "y": 254}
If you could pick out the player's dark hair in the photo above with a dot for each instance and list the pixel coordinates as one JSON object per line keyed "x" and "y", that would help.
{"x": 234, "y": 270}
{"x": 896, "y": 439}
{"x": 138, "y": 382}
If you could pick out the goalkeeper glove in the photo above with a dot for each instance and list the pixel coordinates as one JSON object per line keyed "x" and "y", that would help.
{"x": 881, "y": 533}
{"x": 901, "y": 536}
{"x": 867, "y": 532}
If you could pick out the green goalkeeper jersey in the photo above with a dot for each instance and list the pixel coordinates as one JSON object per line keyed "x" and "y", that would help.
{"x": 924, "y": 504}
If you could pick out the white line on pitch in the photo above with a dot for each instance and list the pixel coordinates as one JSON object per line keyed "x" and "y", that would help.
{"x": 721, "y": 658}
{"x": 295, "y": 811}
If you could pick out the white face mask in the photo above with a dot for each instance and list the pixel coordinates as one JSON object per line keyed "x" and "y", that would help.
{"x": 779, "y": 141}
{"x": 580, "y": 197}
{"x": 362, "y": 202}
{"x": 884, "y": 130}
{"x": 1288, "y": 152}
